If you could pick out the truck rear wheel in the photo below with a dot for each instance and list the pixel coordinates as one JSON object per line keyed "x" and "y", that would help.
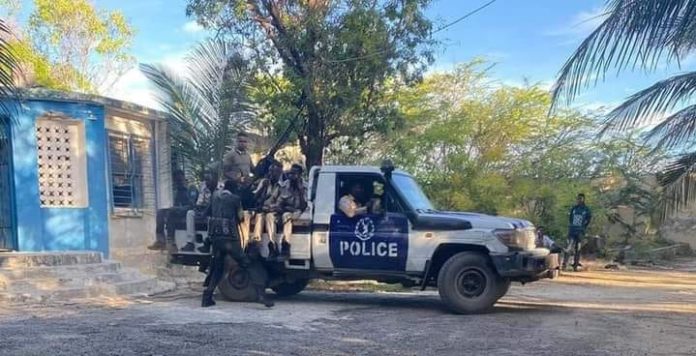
{"x": 287, "y": 289}
{"x": 469, "y": 284}
{"x": 236, "y": 286}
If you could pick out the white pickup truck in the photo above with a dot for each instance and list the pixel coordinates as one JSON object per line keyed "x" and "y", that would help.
{"x": 470, "y": 258}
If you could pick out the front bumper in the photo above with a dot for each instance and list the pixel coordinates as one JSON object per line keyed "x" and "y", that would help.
{"x": 527, "y": 266}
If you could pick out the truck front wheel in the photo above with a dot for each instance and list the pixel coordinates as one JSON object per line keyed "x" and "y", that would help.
{"x": 287, "y": 289}
{"x": 504, "y": 288}
{"x": 468, "y": 283}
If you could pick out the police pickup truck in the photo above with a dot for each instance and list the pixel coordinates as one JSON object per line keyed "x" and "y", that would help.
{"x": 470, "y": 258}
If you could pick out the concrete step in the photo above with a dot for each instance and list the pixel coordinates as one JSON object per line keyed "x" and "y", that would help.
{"x": 38, "y": 259}
{"x": 71, "y": 280}
{"x": 107, "y": 266}
{"x": 142, "y": 286}
{"x": 38, "y": 277}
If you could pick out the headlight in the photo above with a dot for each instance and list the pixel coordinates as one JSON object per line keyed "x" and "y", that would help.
{"x": 517, "y": 239}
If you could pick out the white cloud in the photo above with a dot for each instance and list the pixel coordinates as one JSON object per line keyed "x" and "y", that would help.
{"x": 192, "y": 27}
{"x": 175, "y": 62}
{"x": 134, "y": 87}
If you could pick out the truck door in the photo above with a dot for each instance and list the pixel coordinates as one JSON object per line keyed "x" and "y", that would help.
{"x": 375, "y": 238}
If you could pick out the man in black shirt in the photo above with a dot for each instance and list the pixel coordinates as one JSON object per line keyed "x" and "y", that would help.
{"x": 223, "y": 228}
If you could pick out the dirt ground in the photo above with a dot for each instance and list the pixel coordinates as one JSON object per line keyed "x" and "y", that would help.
{"x": 599, "y": 312}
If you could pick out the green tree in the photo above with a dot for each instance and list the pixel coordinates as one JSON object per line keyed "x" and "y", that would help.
{"x": 208, "y": 104}
{"x": 336, "y": 55}
{"x": 457, "y": 127}
{"x": 494, "y": 149}
{"x": 72, "y": 45}
{"x": 645, "y": 34}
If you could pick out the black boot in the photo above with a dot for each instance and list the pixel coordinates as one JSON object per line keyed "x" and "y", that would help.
{"x": 285, "y": 250}
{"x": 158, "y": 246}
{"x": 272, "y": 251}
{"x": 262, "y": 297}
{"x": 189, "y": 247}
{"x": 206, "y": 282}
{"x": 207, "y": 300}
{"x": 206, "y": 247}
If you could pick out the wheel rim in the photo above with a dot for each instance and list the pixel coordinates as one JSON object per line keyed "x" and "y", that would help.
{"x": 471, "y": 283}
{"x": 238, "y": 278}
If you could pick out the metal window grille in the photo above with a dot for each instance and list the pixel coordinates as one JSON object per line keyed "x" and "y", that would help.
{"x": 126, "y": 153}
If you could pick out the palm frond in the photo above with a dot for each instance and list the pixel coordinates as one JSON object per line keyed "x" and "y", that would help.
{"x": 8, "y": 67}
{"x": 174, "y": 95}
{"x": 208, "y": 103}
{"x": 676, "y": 130}
{"x": 636, "y": 34}
{"x": 652, "y": 102}
{"x": 679, "y": 182}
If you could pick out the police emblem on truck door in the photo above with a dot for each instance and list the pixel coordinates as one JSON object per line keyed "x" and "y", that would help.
{"x": 369, "y": 242}
{"x": 364, "y": 229}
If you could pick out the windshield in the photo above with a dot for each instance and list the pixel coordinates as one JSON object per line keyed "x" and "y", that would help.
{"x": 413, "y": 194}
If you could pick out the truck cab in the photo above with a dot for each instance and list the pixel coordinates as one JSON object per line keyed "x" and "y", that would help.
{"x": 399, "y": 237}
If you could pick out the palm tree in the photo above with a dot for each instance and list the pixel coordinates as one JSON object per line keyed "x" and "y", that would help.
{"x": 207, "y": 104}
{"x": 8, "y": 67}
{"x": 643, "y": 35}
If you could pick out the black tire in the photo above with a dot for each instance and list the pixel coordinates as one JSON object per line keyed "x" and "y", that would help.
{"x": 235, "y": 285}
{"x": 468, "y": 283}
{"x": 504, "y": 288}
{"x": 288, "y": 289}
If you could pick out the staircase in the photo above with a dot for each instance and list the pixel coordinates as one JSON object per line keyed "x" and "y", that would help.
{"x": 60, "y": 276}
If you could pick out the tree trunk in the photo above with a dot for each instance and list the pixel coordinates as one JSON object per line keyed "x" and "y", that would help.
{"x": 314, "y": 149}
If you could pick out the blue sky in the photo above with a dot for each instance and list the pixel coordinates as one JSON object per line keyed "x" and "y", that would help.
{"x": 528, "y": 40}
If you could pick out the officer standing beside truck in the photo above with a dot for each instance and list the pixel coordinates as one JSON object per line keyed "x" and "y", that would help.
{"x": 223, "y": 228}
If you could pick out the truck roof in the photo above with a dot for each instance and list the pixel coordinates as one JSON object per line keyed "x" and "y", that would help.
{"x": 355, "y": 169}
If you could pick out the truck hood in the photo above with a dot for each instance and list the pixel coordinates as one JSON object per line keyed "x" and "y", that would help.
{"x": 458, "y": 220}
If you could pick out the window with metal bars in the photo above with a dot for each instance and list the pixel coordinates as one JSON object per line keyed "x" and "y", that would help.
{"x": 126, "y": 154}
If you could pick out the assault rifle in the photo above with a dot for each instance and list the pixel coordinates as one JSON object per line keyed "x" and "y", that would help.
{"x": 264, "y": 164}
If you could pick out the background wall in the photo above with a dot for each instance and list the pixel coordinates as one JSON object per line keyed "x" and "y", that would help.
{"x": 130, "y": 235}
{"x": 54, "y": 229}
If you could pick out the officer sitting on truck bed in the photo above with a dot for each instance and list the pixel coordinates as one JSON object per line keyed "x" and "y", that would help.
{"x": 267, "y": 194}
{"x": 223, "y": 228}
{"x": 208, "y": 186}
{"x": 167, "y": 218}
{"x": 293, "y": 202}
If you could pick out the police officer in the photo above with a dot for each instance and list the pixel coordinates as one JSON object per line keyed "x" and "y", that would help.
{"x": 579, "y": 218}
{"x": 223, "y": 228}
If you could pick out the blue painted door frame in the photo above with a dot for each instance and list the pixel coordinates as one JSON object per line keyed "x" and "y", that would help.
{"x": 8, "y": 235}
{"x": 60, "y": 229}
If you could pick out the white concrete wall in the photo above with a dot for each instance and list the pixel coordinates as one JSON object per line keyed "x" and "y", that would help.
{"x": 130, "y": 234}
{"x": 681, "y": 227}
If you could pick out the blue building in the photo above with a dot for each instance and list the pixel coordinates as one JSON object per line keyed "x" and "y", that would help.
{"x": 82, "y": 172}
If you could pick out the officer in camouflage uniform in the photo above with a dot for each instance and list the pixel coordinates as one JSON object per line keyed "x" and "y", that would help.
{"x": 223, "y": 229}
